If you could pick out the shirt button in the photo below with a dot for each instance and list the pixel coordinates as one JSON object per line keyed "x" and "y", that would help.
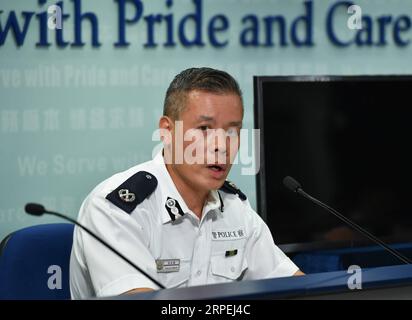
{"x": 232, "y": 269}
{"x": 200, "y": 233}
{"x": 198, "y": 273}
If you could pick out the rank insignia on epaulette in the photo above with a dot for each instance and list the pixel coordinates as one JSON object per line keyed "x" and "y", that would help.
{"x": 230, "y": 187}
{"x": 232, "y": 184}
{"x": 133, "y": 191}
{"x": 126, "y": 195}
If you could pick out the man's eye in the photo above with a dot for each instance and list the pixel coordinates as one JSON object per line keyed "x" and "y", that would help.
{"x": 232, "y": 132}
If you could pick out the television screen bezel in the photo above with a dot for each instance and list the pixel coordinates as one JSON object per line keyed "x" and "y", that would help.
{"x": 258, "y": 115}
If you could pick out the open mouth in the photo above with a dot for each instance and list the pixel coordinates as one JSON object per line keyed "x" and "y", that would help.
{"x": 216, "y": 167}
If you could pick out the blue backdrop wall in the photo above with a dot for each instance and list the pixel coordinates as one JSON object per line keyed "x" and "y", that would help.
{"x": 80, "y": 103}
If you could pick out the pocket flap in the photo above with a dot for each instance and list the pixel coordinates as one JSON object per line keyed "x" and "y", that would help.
{"x": 229, "y": 267}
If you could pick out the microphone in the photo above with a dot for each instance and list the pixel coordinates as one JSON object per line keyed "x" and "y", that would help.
{"x": 34, "y": 209}
{"x": 291, "y": 184}
{"x": 38, "y": 210}
{"x": 296, "y": 187}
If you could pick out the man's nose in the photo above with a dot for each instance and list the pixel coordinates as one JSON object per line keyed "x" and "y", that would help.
{"x": 219, "y": 141}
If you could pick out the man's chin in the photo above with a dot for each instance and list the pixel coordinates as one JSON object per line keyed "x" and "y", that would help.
{"x": 215, "y": 184}
{"x": 209, "y": 182}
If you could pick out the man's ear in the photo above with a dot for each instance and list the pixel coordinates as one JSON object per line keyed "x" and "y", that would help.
{"x": 166, "y": 127}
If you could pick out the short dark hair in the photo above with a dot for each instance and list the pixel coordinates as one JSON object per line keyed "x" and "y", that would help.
{"x": 203, "y": 79}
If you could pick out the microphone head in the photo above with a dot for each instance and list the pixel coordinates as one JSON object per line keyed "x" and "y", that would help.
{"x": 34, "y": 209}
{"x": 291, "y": 184}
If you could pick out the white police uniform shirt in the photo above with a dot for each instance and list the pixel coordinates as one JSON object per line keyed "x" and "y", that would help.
{"x": 141, "y": 214}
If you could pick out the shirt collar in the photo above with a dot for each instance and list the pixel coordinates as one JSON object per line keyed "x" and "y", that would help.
{"x": 214, "y": 201}
{"x": 169, "y": 191}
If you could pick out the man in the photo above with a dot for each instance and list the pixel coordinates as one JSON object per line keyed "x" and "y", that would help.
{"x": 176, "y": 216}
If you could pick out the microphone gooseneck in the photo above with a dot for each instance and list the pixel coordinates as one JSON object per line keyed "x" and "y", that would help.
{"x": 295, "y": 186}
{"x": 38, "y": 210}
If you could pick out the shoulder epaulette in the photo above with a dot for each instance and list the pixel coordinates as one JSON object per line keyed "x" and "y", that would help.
{"x": 133, "y": 191}
{"x": 230, "y": 187}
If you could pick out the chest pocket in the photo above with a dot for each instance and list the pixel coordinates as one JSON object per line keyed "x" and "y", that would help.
{"x": 231, "y": 268}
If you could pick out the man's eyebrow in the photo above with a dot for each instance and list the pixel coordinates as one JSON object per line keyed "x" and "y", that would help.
{"x": 235, "y": 124}
{"x": 232, "y": 123}
{"x": 206, "y": 118}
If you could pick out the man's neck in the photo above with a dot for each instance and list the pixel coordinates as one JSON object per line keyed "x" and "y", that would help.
{"x": 193, "y": 198}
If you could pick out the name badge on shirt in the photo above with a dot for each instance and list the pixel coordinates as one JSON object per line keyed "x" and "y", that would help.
{"x": 232, "y": 234}
{"x": 167, "y": 265}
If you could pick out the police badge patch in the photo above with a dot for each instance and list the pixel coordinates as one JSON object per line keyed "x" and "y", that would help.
{"x": 173, "y": 208}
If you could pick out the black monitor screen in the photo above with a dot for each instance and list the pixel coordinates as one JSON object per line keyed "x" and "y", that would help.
{"x": 347, "y": 141}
